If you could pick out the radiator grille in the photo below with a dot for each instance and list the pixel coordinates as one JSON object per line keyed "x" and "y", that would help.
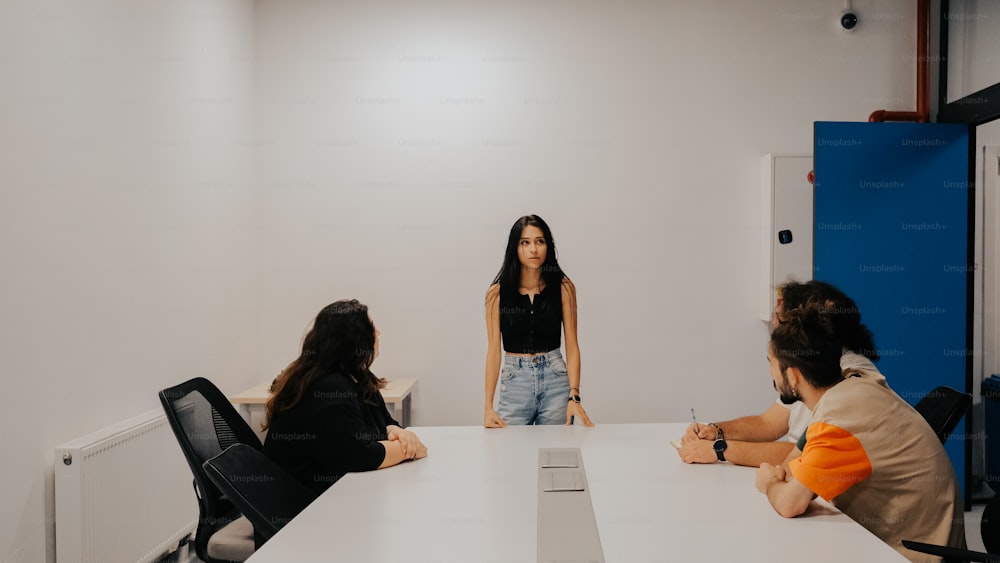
{"x": 124, "y": 495}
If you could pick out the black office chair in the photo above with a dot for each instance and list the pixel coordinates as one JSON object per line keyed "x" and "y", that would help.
{"x": 942, "y": 408}
{"x": 265, "y": 493}
{"x": 989, "y": 528}
{"x": 205, "y": 423}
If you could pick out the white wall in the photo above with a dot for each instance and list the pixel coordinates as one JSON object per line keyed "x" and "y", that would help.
{"x": 390, "y": 146}
{"x": 126, "y": 224}
{"x": 400, "y": 141}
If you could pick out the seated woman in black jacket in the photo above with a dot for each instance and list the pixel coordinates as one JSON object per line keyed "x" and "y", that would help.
{"x": 326, "y": 416}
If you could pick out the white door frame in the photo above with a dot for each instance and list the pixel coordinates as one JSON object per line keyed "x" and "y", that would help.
{"x": 988, "y": 258}
{"x": 986, "y": 304}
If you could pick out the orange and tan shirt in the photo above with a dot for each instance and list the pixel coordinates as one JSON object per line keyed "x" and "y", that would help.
{"x": 877, "y": 460}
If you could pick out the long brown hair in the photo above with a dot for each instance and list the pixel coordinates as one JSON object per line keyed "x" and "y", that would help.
{"x": 342, "y": 339}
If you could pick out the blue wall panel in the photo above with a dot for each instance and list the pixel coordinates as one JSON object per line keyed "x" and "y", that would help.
{"x": 891, "y": 230}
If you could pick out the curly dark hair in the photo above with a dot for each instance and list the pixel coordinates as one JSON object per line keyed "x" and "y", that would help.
{"x": 806, "y": 340}
{"x": 841, "y": 310}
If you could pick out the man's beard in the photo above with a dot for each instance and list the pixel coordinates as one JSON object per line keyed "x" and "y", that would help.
{"x": 786, "y": 394}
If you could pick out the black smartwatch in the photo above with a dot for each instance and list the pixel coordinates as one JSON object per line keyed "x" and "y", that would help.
{"x": 720, "y": 449}
{"x": 574, "y": 398}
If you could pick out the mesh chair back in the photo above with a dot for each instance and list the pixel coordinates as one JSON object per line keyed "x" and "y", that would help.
{"x": 942, "y": 408}
{"x": 205, "y": 423}
{"x": 265, "y": 493}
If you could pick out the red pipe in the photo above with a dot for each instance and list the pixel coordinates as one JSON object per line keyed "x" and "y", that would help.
{"x": 923, "y": 112}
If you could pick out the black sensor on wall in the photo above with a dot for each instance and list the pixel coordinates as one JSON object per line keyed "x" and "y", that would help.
{"x": 785, "y": 236}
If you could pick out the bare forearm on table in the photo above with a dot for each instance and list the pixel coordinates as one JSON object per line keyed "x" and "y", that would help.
{"x": 789, "y": 498}
{"x": 766, "y": 427}
{"x": 752, "y": 454}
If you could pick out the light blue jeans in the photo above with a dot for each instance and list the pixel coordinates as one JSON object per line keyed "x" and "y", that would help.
{"x": 534, "y": 390}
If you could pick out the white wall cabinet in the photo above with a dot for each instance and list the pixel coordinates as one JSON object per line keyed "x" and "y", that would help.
{"x": 787, "y": 224}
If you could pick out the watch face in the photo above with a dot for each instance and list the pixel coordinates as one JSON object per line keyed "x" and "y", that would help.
{"x": 720, "y": 445}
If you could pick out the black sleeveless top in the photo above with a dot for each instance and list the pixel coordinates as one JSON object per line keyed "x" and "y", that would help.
{"x": 530, "y": 327}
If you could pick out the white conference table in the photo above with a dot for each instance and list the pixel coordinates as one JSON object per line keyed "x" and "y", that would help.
{"x": 474, "y": 499}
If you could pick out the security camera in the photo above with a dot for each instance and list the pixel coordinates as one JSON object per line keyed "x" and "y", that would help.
{"x": 848, "y": 21}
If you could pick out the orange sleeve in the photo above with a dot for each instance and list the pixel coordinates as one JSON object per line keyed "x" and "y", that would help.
{"x": 832, "y": 461}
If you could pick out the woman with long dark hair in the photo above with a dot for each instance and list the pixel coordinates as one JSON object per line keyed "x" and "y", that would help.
{"x": 326, "y": 416}
{"x": 529, "y": 306}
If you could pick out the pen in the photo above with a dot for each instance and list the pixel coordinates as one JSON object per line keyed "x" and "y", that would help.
{"x": 696, "y": 429}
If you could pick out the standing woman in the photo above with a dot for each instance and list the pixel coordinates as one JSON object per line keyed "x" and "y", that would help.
{"x": 529, "y": 305}
{"x": 326, "y": 416}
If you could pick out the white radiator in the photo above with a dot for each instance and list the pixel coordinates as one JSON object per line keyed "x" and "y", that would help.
{"x": 123, "y": 493}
